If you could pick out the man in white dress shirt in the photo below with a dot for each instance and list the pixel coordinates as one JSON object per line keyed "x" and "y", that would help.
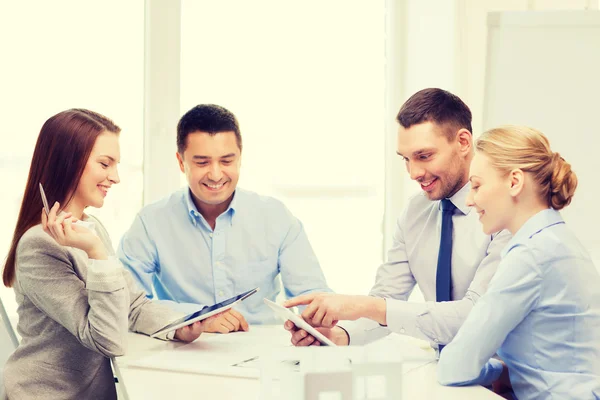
{"x": 436, "y": 143}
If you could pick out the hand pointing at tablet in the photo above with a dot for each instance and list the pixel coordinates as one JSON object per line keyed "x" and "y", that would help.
{"x": 324, "y": 310}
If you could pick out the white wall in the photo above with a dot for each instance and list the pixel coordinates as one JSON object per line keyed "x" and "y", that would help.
{"x": 55, "y": 56}
{"x": 307, "y": 85}
{"x": 554, "y": 90}
{"x": 445, "y": 46}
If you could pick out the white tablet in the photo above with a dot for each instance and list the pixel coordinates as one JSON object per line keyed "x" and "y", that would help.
{"x": 287, "y": 314}
{"x": 205, "y": 312}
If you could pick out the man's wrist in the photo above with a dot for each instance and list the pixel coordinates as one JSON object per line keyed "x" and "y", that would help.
{"x": 342, "y": 337}
{"x": 376, "y": 309}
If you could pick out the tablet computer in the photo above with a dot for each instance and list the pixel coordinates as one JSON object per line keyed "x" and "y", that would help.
{"x": 287, "y": 314}
{"x": 205, "y": 312}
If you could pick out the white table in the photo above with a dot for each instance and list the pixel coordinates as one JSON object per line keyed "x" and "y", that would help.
{"x": 143, "y": 383}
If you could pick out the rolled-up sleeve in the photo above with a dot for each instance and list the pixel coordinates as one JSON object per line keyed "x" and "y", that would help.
{"x": 95, "y": 312}
{"x": 105, "y": 275}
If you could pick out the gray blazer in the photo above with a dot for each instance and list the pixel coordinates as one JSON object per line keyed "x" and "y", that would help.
{"x": 72, "y": 320}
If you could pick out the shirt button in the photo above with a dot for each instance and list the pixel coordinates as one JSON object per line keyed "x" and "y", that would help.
{"x": 210, "y": 234}
{"x": 402, "y": 330}
{"x": 220, "y": 293}
{"x": 435, "y": 340}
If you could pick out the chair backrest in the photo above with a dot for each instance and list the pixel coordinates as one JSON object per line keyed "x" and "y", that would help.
{"x": 8, "y": 344}
{"x": 119, "y": 381}
{"x": 318, "y": 385}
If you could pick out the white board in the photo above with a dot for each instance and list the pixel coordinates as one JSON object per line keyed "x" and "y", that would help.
{"x": 543, "y": 71}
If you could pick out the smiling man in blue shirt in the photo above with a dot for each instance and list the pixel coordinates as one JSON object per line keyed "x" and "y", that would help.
{"x": 211, "y": 240}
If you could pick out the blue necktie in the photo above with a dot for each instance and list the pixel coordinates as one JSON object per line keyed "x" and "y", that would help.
{"x": 443, "y": 279}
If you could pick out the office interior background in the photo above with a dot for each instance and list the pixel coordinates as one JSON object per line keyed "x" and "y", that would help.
{"x": 315, "y": 85}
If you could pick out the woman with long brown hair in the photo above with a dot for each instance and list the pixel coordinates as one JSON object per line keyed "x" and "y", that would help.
{"x": 75, "y": 301}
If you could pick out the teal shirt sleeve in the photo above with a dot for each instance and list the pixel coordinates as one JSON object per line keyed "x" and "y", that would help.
{"x": 514, "y": 291}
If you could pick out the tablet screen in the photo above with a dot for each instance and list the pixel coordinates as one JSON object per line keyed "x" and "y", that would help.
{"x": 209, "y": 309}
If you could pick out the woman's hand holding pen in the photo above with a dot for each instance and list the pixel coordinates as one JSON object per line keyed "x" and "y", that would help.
{"x": 61, "y": 228}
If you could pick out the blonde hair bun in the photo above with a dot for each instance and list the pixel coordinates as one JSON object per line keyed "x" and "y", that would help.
{"x": 518, "y": 147}
{"x": 562, "y": 184}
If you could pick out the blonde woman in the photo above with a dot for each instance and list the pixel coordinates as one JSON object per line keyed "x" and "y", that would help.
{"x": 541, "y": 313}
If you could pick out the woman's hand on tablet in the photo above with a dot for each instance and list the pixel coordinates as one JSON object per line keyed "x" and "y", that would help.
{"x": 228, "y": 321}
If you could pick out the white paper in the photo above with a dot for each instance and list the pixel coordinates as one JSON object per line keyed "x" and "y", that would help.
{"x": 231, "y": 354}
{"x": 238, "y": 353}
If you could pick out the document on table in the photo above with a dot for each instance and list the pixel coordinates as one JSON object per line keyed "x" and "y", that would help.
{"x": 231, "y": 354}
{"x": 238, "y": 354}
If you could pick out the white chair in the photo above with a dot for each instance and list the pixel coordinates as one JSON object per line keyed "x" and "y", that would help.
{"x": 8, "y": 344}
{"x": 121, "y": 389}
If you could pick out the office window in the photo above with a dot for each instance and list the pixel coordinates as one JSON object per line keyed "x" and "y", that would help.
{"x": 306, "y": 81}
{"x": 70, "y": 54}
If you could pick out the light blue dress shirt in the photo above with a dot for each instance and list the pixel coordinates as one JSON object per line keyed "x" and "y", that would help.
{"x": 170, "y": 247}
{"x": 541, "y": 314}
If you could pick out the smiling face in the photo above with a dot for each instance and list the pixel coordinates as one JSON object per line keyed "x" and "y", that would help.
{"x": 100, "y": 173}
{"x": 439, "y": 166}
{"x": 490, "y": 195}
{"x": 211, "y": 164}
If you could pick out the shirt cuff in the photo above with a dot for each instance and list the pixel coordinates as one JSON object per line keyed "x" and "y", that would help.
{"x": 402, "y": 317}
{"x": 363, "y": 331}
{"x": 105, "y": 275}
{"x": 491, "y": 372}
{"x": 171, "y": 335}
